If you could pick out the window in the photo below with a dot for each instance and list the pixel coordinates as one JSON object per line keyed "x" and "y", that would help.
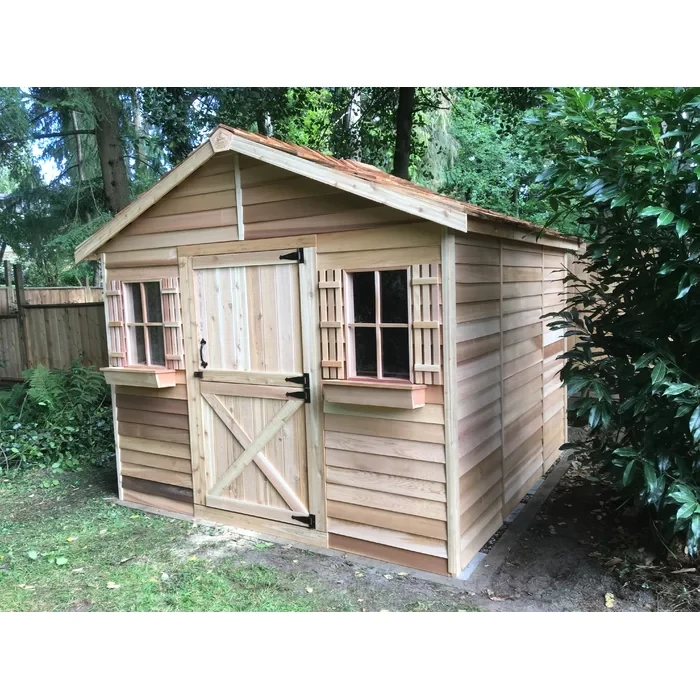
{"x": 144, "y": 324}
{"x": 378, "y": 338}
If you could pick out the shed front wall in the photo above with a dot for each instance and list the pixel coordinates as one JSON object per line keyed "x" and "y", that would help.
{"x": 510, "y": 400}
{"x": 385, "y": 468}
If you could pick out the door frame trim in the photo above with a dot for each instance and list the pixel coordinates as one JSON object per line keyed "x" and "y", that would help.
{"x": 310, "y": 322}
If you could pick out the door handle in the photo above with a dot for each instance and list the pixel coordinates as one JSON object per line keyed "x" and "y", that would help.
{"x": 202, "y": 343}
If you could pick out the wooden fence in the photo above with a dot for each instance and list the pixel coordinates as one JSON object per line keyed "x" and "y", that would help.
{"x": 49, "y": 295}
{"x": 52, "y": 334}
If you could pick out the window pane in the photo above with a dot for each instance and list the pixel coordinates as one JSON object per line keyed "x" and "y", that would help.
{"x": 393, "y": 285}
{"x": 365, "y": 352}
{"x": 137, "y": 346}
{"x": 363, "y": 297}
{"x": 395, "y": 353}
{"x": 154, "y": 310}
{"x": 156, "y": 340}
{"x": 136, "y": 308}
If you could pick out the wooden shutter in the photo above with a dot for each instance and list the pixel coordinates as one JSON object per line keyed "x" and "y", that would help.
{"x": 330, "y": 295}
{"x": 116, "y": 332}
{"x": 426, "y": 322}
{"x": 172, "y": 323}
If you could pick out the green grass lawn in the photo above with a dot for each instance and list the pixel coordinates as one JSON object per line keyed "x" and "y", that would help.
{"x": 64, "y": 546}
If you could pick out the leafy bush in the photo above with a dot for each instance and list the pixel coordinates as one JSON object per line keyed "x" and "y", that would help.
{"x": 57, "y": 419}
{"x": 629, "y": 163}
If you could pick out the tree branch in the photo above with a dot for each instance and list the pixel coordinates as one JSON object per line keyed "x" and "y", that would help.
{"x": 57, "y": 134}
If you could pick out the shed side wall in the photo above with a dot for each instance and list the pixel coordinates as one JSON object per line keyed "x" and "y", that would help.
{"x": 510, "y": 402}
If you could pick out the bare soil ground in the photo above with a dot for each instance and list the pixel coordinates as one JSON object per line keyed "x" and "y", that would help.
{"x": 588, "y": 550}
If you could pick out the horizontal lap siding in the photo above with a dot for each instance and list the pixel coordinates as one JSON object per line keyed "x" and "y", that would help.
{"x": 154, "y": 446}
{"x": 554, "y": 418}
{"x": 202, "y": 209}
{"x": 478, "y": 392}
{"x": 278, "y": 203}
{"x": 510, "y": 406}
{"x": 386, "y": 483}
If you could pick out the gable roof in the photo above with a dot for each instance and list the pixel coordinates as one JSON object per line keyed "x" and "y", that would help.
{"x": 351, "y": 176}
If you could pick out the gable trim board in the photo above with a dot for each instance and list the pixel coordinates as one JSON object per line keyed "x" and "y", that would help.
{"x": 412, "y": 200}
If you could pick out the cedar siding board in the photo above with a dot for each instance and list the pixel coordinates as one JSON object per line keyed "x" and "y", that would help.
{"x": 154, "y": 454}
{"x": 391, "y": 484}
{"x": 510, "y": 402}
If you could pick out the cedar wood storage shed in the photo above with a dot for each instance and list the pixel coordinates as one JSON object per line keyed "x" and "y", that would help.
{"x": 310, "y": 348}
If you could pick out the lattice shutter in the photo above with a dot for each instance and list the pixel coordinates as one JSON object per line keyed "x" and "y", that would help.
{"x": 116, "y": 334}
{"x": 330, "y": 294}
{"x": 427, "y": 315}
{"x": 172, "y": 323}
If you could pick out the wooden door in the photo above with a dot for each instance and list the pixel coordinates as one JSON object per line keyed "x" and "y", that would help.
{"x": 253, "y": 384}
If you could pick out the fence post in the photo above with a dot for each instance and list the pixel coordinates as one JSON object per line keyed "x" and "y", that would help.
{"x": 8, "y": 286}
{"x": 21, "y": 323}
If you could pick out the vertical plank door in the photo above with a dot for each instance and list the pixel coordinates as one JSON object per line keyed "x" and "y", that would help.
{"x": 253, "y": 384}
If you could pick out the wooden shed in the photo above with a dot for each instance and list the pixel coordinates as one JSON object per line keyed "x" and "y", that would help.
{"x": 310, "y": 348}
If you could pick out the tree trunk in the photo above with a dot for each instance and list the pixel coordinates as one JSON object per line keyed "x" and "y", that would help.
{"x": 351, "y": 117}
{"x": 110, "y": 148}
{"x": 78, "y": 147}
{"x": 264, "y": 124}
{"x": 139, "y": 151}
{"x": 404, "y": 125}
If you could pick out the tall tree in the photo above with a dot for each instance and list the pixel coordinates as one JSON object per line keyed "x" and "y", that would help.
{"x": 404, "y": 127}
{"x": 108, "y": 112}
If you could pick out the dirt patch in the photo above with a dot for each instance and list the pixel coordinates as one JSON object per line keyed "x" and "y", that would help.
{"x": 589, "y": 550}
{"x": 371, "y": 588}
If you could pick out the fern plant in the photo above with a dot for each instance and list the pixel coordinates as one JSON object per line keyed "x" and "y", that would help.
{"x": 57, "y": 419}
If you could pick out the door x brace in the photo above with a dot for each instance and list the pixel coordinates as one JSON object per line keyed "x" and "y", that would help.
{"x": 253, "y": 450}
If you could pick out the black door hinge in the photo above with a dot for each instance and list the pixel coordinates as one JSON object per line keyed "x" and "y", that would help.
{"x": 297, "y": 255}
{"x": 309, "y": 520}
{"x": 199, "y": 375}
{"x": 304, "y": 380}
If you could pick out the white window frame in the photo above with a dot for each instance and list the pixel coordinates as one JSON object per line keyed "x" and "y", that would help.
{"x": 378, "y": 325}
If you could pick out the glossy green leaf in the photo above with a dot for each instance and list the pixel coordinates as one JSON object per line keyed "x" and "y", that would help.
{"x": 665, "y": 218}
{"x": 658, "y": 373}
{"x": 677, "y": 389}
{"x": 686, "y": 510}
{"x": 682, "y": 227}
{"x": 694, "y": 424}
{"x": 620, "y": 201}
{"x": 652, "y": 211}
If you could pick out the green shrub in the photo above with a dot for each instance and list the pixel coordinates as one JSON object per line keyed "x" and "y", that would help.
{"x": 57, "y": 419}
{"x": 628, "y": 162}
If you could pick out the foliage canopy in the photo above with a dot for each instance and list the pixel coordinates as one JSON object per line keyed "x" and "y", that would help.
{"x": 629, "y": 166}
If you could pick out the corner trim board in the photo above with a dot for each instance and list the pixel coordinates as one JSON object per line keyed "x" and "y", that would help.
{"x": 449, "y": 348}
